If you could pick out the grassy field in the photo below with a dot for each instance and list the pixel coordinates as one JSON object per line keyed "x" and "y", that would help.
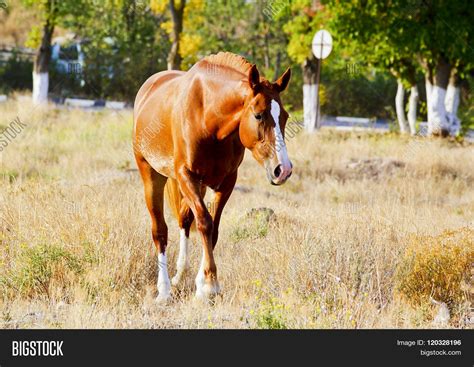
{"x": 76, "y": 249}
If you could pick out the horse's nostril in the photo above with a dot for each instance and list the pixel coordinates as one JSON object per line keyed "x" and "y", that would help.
{"x": 277, "y": 171}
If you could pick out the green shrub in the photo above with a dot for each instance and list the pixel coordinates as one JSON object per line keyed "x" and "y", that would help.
{"x": 38, "y": 268}
{"x": 254, "y": 225}
{"x": 270, "y": 315}
{"x": 270, "y": 312}
{"x": 15, "y": 74}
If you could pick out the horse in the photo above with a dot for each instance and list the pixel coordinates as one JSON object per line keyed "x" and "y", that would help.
{"x": 190, "y": 133}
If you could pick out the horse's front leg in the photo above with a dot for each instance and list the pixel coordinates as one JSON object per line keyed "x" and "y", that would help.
{"x": 220, "y": 199}
{"x": 190, "y": 186}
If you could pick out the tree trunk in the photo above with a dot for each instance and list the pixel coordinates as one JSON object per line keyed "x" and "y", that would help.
{"x": 310, "y": 88}
{"x": 451, "y": 103}
{"x": 177, "y": 15}
{"x": 428, "y": 68}
{"x": 412, "y": 106}
{"x": 277, "y": 66}
{"x": 400, "y": 107}
{"x": 266, "y": 50}
{"x": 41, "y": 66}
{"x": 429, "y": 90}
{"x": 438, "y": 125}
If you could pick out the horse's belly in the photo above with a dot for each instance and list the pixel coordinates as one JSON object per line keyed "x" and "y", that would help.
{"x": 162, "y": 165}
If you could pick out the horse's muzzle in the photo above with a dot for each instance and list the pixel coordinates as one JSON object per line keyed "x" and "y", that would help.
{"x": 280, "y": 174}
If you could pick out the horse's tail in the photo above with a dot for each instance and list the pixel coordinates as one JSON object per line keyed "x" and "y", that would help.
{"x": 173, "y": 196}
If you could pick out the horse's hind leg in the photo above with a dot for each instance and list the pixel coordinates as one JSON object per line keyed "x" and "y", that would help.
{"x": 185, "y": 220}
{"x": 154, "y": 184}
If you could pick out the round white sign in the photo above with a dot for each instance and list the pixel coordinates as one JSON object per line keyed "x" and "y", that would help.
{"x": 322, "y": 44}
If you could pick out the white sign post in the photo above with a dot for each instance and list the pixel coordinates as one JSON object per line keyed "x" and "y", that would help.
{"x": 321, "y": 47}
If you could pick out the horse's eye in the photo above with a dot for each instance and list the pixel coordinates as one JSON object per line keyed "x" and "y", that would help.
{"x": 259, "y": 116}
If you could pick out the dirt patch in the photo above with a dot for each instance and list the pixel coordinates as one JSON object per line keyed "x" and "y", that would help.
{"x": 373, "y": 167}
{"x": 354, "y": 169}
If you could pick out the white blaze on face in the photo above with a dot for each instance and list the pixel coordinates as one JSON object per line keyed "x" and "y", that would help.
{"x": 280, "y": 146}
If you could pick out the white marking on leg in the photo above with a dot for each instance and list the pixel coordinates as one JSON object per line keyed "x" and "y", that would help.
{"x": 182, "y": 265}
{"x": 200, "y": 279}
{"x": 164, "y": 286}
{"x": 205, "y": 289}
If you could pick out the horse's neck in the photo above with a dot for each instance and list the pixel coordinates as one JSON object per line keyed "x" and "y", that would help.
{"x": 225, "y": 108}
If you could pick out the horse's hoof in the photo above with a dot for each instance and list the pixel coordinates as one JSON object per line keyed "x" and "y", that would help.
{"x": 178, "y": 278}
{"x": 163, "y": 299}
{"x": 208, "y": 291}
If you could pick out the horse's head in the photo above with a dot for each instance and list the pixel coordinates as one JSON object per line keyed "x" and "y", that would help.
{"x": 262, "y": 126}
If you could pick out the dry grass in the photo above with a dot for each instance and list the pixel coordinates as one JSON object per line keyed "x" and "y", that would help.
{"x": 76, "y": 250}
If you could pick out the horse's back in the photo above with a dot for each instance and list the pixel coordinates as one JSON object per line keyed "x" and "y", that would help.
{"x": 152, "y": 85}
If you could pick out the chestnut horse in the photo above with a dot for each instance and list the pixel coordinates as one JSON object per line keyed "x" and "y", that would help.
{"x": 190, "y": 133}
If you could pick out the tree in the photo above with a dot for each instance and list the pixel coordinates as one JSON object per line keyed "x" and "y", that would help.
{"x": 48, "y": 10}
{"x": 306, "y": 17}
{"x": 176, "y": 9}
{"x": 251, "y": 29}
{"x": 370, "y": 29}
{"x": 15, "y": 23}
{"x": 51, "y": 13}
{"x": 123, "y": 42}
{"x": 437, "y": 34}
{"x": 177, "y": 13}
{"x": 408, "y": 35}
{"x": 446, "y": 55}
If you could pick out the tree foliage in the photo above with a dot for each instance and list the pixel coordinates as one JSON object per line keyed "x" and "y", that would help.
{"x": 125, "y": 41}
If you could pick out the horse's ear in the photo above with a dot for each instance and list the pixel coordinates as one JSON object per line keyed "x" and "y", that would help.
{"x": 283, "y": 81}
{"x": 254, "y": 77}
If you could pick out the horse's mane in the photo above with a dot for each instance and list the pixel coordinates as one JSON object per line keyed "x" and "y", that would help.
{"x": 230, "y": 60}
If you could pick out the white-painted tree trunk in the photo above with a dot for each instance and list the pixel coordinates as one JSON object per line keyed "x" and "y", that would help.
{"x": 43, "y": 59}
{"x": 438, "y": 125}
{"x": 400, "y": 108}
{"x": 412, "y": 108}
{"x": 310, "y": 106}
{"x": 437, "y": 109}
{"x": 40, "y": 87}
{"x": 429, "y": 90}
{"x": 451, "y": 104}
{"x": 310, "y": 92}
